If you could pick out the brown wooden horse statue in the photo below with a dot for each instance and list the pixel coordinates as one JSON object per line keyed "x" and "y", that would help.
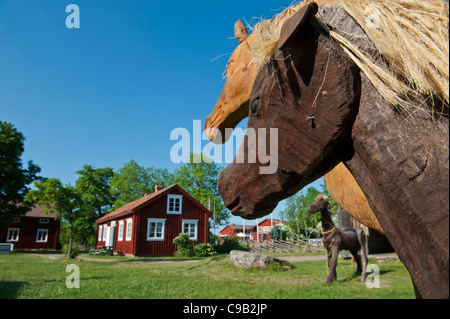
{"x": 232, "y": 107}
{"x": 335, "y": 240}
{"x": 327, "y": 111}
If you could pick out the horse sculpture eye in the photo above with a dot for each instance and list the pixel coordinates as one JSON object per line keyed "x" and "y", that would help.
{"x": 254, "y": 105}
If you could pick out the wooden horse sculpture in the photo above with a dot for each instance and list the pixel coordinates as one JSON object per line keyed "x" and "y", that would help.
{"x": 335, "y": 240}
{"x": 232, "y": 107}
{"x": 326, "y": 111}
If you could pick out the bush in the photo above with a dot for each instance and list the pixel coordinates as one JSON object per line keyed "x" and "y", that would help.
{"x": 184, "y": 245}
{"x": 204, "y": 250}
{"x": 230, "y": 244}
{"x": 74, "y": 252}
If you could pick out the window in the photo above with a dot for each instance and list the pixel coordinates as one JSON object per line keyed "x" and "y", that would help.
{"x": 100, "y": 233}
{"x": 44, "y": 221}
{"x": 42, "y": 235}
{"x": 190, "y": 227}
{"x": 13, "y": 234}
{"x": 174, "y": 204}
{"x": 120, "y": 235}
{"x": 129, "y": 229}
{"x": 155, "y": 229}
{"x": 17, "y": 219}
{"x": 105, "y": 228}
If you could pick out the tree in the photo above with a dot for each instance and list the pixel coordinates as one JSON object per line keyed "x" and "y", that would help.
{"x": 14, "y": 179}
{"x": 132, "y": 182}
{"x": 199, "y": 178}
{"x": 94, "y": 189}
{"x": 64, "y": 201}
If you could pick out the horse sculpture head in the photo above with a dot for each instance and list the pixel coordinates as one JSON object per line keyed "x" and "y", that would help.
{"x": 320, "y": 203}
{"x": 242, "y": 68}
{"x": 309, "y": 92}
{"x": 232, "y": 105}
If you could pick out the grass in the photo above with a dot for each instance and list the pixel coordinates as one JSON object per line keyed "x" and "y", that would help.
{"x": 29, "y": 276}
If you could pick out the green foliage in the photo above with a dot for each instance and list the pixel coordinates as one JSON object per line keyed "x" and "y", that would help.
{"x": 199, "y": 178}
{"x": 14, "y": 179}
{"x": 279, "y": 232}
{"x": 132, "y": 182}
{"x": 74, "y": 252}
{"x": 94, "y": 188}
{"x": 184, "y": 246}
{"x": 230, "y": 244}
{"x": 204, "y": 250}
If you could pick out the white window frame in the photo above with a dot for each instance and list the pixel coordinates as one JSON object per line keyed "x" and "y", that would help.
{"x": 152, "y": 237}
{"x": 104, "y": 232}
{"x": 45, "y": 231}
{"x": 14, "y": 239}
{"x": 175, "y": 198}
{"x": 190, "y": 222}
{"x": 129, "y": 229}
{"x": 44, "y": 221}
{"x": 120, "y": 232}
{"x": 100, "y": 232}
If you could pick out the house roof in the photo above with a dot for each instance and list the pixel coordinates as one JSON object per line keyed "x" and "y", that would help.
{"x": 146, "y": 200}
{"x": 237, "y": 227}
{"x": 38, "y": 211}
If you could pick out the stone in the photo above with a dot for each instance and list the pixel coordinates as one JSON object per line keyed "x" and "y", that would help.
{"x": 247, "y": 259}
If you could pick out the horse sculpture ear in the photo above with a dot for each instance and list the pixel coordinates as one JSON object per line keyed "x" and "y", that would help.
{"x": 294, "y": 24}
{"x": 240, "y": 31}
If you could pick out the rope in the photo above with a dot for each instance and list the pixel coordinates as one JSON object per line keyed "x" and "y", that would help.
{"x": 329, "y": 231}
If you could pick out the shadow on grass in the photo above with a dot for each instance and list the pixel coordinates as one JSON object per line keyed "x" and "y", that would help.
{"x": 358, "y": 274}
{"x": 10, "y": 289}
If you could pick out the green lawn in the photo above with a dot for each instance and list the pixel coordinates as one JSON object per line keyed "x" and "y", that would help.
{"x": 26, "y": 276}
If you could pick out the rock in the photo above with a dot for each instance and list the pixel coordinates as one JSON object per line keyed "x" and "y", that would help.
{"x": 247, "y": 259}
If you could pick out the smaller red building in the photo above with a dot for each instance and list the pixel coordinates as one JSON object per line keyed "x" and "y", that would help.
{"x": 235, "y": 230}
{"x": 259, "y": 232}
{"x": 34, "y": 230}
{"x": 148, "y": 226}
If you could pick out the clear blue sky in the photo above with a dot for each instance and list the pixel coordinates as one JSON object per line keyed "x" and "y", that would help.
{"x": 114, "y": 89}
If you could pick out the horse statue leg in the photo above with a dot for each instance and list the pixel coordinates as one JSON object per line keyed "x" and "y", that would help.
{"x": 363, "y": 252}
{"x": 333, "y": 255}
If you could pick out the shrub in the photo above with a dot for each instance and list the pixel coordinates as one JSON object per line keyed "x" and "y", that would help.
{"x": 74, "y": 252}
{"x": 230, "y": 244}
{"x": 204, "y": 250}
{"x": 183, "y": 245}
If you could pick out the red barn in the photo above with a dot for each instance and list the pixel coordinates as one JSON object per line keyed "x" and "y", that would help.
{"x": 147, "y": 226}
{"x": 263, "y": 229}
{"x": 236, "y": 230}
{"x": 34, "y": 230}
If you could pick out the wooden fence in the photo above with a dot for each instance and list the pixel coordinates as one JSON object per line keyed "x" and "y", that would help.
{"x": 281, "y": 246}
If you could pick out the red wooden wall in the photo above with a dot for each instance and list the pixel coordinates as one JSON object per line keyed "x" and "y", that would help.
{"x": 28, "y": 231}
{"x": 139, "y": 246}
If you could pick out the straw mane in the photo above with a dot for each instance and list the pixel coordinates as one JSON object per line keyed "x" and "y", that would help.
{"x": 411, "y": 36}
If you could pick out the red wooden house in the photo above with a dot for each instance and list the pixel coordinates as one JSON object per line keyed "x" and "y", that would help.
{"x": 261, "y": 231}
{"x": 235, "y": 230}
{"x": 258, "y": 232}
{"x": 34, "y": 230}
{"x": 147, "y": 226}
